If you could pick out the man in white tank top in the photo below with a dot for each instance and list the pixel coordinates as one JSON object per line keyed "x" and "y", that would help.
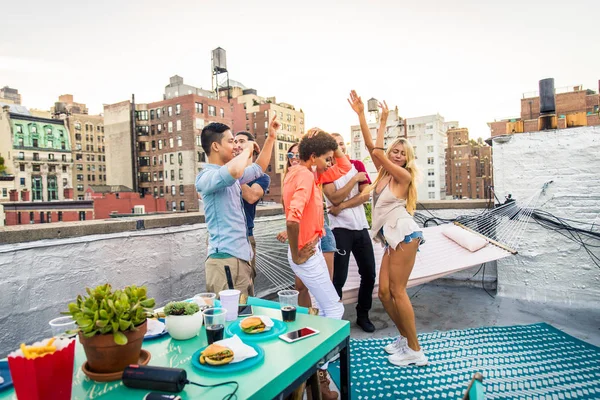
{"x": 349, "y": 224}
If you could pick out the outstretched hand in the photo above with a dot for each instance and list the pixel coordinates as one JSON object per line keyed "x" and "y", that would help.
{"x": 385, "y": 111}
{"x": 274, "y": 126}
{"x": 312, "y": 132}
{"x": 356, "y": 103}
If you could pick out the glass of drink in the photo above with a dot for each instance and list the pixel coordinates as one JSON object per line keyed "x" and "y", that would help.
{"x": 205, "y": 300}
{"x": 230, "y": 300}
{"x": 61, "y": 325}
{"x": 214, "y": 323}
{"x": 288, "y": 301}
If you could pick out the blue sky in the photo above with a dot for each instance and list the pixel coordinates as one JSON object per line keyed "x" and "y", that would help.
{"x": 466, "y": 60}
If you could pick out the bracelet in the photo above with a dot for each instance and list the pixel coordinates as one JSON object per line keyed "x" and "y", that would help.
{"x": 379, "y": 148}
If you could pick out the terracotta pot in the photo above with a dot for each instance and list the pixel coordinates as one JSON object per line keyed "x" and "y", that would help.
{"x": 105, "y": 356}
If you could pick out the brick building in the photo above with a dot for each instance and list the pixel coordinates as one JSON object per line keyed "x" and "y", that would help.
{"x": 468, "y": 166}
{"x": 155, "y": 147}
{"x": 259, "y": 112}
{"x": 575, "y": 106}
{"x": 87, "y": 136}
{"x": 31, "y": 212}
{"x": 10, "y": 95}
{"x": 121, "y": 200}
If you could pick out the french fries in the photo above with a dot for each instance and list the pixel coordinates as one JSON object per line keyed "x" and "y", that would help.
{"x": 31, "y": 352}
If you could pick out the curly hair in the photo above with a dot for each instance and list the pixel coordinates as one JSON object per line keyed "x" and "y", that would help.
{"x": 319, "y": 144}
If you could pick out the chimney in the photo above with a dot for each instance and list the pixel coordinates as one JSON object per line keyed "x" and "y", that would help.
{"x": 25, "y": 195}
{"x": 68, "y": 193}
{"x": 547, "y": 118}
{"x": 13, "y": 195}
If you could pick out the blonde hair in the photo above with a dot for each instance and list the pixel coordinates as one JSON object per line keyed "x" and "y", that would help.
{"x": 411, "y": 167}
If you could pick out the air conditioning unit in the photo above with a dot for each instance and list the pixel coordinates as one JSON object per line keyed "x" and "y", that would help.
{"x": 139, "y": 209}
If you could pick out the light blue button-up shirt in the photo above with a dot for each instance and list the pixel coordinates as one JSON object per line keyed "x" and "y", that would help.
{"x": 223, "y": 209}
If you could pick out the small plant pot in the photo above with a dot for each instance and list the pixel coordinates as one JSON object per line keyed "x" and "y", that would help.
{"x": 105, "y": 356}
{"x": 184, "y": 327}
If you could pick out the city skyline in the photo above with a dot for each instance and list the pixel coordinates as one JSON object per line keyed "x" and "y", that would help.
{"x": 465, "y": 61}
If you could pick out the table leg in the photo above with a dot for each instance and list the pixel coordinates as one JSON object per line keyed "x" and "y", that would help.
{"x": 315, "y": 387}
{"x": 345, "y": 371}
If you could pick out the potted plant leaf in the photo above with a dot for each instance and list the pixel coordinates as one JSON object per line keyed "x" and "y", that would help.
{"x": 111, "y": 325}
{"x": 183, "y": 319}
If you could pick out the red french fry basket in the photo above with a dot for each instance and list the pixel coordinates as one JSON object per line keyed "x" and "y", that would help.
{"x": 48, "y": 377}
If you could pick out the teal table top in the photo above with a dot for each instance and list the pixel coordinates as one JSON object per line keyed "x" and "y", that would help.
{"x": 284, "y": 362}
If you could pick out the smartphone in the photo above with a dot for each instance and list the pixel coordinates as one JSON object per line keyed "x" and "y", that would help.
{"x": 245, "y": 310}
{"x": 294, "y": 336}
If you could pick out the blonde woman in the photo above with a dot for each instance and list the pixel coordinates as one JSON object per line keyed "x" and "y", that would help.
{"x": 394, "y": 202}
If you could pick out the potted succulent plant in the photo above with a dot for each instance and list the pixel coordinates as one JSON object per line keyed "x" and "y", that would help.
{"x": 111, "y": 325}
{"x": 183, "y": 319}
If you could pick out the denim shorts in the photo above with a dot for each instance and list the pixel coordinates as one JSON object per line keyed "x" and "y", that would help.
{"x": 407, "y": 238}
{"x": 328, "y": 244}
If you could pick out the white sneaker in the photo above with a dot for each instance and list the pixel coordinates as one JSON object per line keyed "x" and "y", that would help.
{"x": 409, "y": 357}
{"x": 396, "y": 346}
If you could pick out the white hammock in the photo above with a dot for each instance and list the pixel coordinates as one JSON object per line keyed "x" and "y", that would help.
{"x": 502, "y": 227}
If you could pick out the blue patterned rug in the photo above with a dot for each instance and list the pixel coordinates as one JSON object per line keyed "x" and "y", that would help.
{"x": 518, "y": 362}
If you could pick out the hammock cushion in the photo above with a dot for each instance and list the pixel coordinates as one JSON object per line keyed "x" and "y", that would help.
{"x": 464, "y": 238}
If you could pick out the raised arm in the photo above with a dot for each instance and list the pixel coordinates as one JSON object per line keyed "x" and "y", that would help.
{"x": 359, "y": 108}
{"x": 237, "y": 165}
{"x": 400, "y": 174}
{"x": 265, "y": 155}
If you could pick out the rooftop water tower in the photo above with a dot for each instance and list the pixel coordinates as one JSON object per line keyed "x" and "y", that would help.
{"x": 219, "y": 66}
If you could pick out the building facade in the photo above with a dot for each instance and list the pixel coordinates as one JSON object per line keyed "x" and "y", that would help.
{"x": 468, "y": 166}
{"x": 87, "y": 136}
{"x": 10, "y": 95}
{"x": 37, "y": 152}
{"x": 575, "y": 107}
{"x": 428, "y": 137}
{"x": 259, "y": 111}
{"x": 155, "y": 148}
{"x": 121, "y": 200}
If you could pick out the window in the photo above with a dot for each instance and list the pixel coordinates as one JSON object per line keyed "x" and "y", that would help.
{"x": 182, "y": 205}
{"x": 170, "y": 111}
{"x": 222, "y": 112}
{"x": 430, "y": 183}
{"x": 22, "y": 181}
{"x": 34, "y": 142}
{"x": 199, "y": 108}
{"x": 158, "y": 113}
{"x": 430, "y": 161}
{"x": 160, "y": 175}
{"x": 173, "y": 175}
{"x": 141, "y": 115}
{"x": 60, "y": 216}
{"x": 212, "y": 111}
{"x": 173, "y": 192}
{"x": 159, "y": 128}
{"x": 430, "y": 172}
{"x": 266, "y": 124}
{"x": 37, "y": 168}
{"x": 430, "y": 149}
{"x": 180, "y": 158}
{"x": 170, "y": 126}
{"x": 181, "y": 192}
{"x": 33, "y": 129}
{"x": 180, "y": 173}
{"x": 4, "y": 192}
{"x": 162, "y": 191}
{"x": 174, "y": 205}
{"x": 36, "y": 188}
{"x": 82, "y": 215}
{"x": 19, "y": 128}
{"x": 266, "y": 114}
{"x": 52, "y": 188}
{"x": 177, "y": 109}
{"x": 153, "y": 159}
{"x": 64, "y": 158}
{"x": 21, "y": 156}
{"x": 80, "y": 188}
{"x": 171, "y": 142}
{"x": 22, "y": 167}
{"x": 178, "y": 125}
{"x": 432, "y": 195}
{"x": 151, "y": 114}
{"x": 171, "y": 157}
{"x": 50, "y": 144}
{"x": 179, "y": 141}
{"x": 20, "y": 142}
{"x": 160, "y": 144}
{"x": 155, "y": 176}
{"x": 199, "y": 123}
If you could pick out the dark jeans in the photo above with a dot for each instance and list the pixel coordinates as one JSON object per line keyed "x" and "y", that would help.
{"x": 359, "y": 244}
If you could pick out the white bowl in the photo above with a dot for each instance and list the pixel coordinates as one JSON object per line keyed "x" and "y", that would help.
{"x": 183, "y": 327}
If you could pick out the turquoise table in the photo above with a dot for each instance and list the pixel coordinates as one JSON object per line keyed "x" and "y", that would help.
{"x": 285, "y": 367}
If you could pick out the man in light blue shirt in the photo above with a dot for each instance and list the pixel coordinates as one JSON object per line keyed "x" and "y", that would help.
{"x": 219, "y": 183}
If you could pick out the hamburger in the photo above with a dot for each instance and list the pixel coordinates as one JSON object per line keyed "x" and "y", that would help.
{"x": 216, "y": 355}
{"x": 252, "y": 325}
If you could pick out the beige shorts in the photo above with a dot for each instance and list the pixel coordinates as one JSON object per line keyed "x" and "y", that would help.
{"x": 241, "y": 274}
